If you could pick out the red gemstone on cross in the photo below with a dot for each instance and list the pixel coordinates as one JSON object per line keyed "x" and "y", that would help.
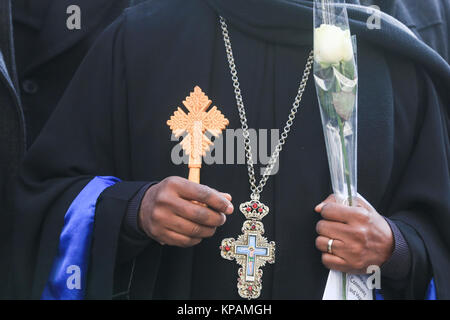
{"x": 227, "y": 248}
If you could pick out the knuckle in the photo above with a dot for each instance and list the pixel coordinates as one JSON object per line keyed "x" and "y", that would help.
{"x": 328, "y": 207}
{"x": 204, "y": 193}
{"x": 364, "y": 234}
{"x": 165, "y": 183}
{"x": 224, "y": 203}
{"x": 222, "y": 220}
{"x": 355, "y": 249}
{"x": 200, "y": 214}
{"x": 324, "y": 210}
{"x": 156, "y": 216}
{"x": 223, "y": 206}
{"x": 162, "y": 198}
{"x": 178, "y": 224}
{"x": 171, "y": 182}
{"x": 210, "y": 232}
{"x": 364, "y": 214}
{"x": 159, "y": 217}
{"x": 319, "y": 227}
{"x": 324, "y": 260}
{"x": 196, "y": 230}
{"x": 318, "y": 243}
{"x": 218, "y": 220}
{"x": 361, "y": 233}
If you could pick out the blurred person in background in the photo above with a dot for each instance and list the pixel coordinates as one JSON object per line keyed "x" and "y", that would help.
{"x": 40, "y": 54}
{"x": 429, "y": 20}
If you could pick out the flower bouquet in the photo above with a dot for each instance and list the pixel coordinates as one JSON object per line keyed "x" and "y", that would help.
{"x": 336, "y": 79}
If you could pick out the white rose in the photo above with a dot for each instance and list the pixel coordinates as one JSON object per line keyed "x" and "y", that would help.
{"x": 332, "y": 44}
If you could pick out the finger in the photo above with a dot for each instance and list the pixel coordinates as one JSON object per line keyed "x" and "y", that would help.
{"x": 333, "y": 262}
{"x": 330, "y": 199}
{"x": 204, "y": 194}
{"x": 227, "y": 196}
{"x": 172, "y": 238}
{"x": 342, "y": 213}
{"x": 197, "y": 213}
{"x": 359, "y": 201}
{"x": 333, "y": 230}
{"x": 335, "y": 212}
{"x": 337, "y": 246}
{"x": 189, "y": 228}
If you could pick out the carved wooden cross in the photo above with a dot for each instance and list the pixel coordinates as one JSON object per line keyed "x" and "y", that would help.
{"x": 196, "y": 122}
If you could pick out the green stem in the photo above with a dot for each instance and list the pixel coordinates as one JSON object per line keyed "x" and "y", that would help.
{"x": 344, "y": 286}
{"x": 346, "y": 164}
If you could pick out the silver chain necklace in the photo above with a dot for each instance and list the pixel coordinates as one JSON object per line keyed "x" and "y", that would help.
{"x": 256, "y": 190}
{"x": 251, "y": 250}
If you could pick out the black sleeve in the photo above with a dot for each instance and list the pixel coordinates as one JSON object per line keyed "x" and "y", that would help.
{"x": 111, "y": 208}
{"x": 399, "y": 264}
{"x": 421, "y": 204}
{"x": 132, "y": 240}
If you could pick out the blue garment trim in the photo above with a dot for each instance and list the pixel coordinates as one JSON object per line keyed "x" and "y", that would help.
{"x": 431, "y": 292}
{"x": 67, "y": 280}
{"x": 430, "y": 295}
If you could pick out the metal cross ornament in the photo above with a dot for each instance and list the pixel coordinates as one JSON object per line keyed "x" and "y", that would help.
{"x": 196, "y": 122}
{"x": 250, "y": 250}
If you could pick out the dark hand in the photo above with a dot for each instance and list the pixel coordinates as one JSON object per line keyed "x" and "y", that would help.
{"x": 169, "y": 216}
{"x": 362, "y": 237}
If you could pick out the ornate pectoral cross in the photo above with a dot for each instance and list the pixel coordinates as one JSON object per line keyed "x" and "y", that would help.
{"x": 251, "y": 250}
{"x": 196, "y": 122}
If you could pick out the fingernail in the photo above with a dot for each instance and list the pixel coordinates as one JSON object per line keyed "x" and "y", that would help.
{"x": 229, "y": 209}
{"x": 224, "y": 218}
{"x": 228, "y": 196}
{"x": 319, "y": 207}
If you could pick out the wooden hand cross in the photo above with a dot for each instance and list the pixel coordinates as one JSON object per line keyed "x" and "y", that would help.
{"x": 196, "y": 123}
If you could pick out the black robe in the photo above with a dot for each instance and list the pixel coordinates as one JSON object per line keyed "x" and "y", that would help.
{"x": 48, "y": 53}
{"x": 112, "y": 122}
